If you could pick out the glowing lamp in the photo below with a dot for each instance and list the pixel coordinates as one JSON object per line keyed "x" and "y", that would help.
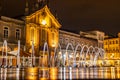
{"x": 44, "y": 22}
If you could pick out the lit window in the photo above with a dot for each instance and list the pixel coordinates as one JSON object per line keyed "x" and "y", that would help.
{"x": 53, "y": 36}
{"x": 5, "y": 32}
{"x": 110, "y": 42}
{"x": 32, "y": 34}
{"x": 113, "y": 42}
{"x": 106, "y": 43}
{"x": 44, "y": 35}
{"x": 116, "y": 42}
{"x": 17, "y": 33}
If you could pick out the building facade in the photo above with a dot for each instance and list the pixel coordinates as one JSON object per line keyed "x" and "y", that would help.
{"x": 12, "y": 30}
{"x": 112, "y": 48}
{"x": 40, "y": 26}
{"x": 98, "y": 35}
{"x": 75, "y": 39}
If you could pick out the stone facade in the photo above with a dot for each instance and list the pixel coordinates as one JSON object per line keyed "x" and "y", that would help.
{"x": 112, "y": 49}
{"x": 69, "y": 37}
{"x": 64, "y": 36}
{"x": 41, "y": 27}
{"x": 11, "y": 30}
{"x": 98, "y": 35}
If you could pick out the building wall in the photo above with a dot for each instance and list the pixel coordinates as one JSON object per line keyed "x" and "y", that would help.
{"x": 41, "y": 27}
{"x": 75, "y": 39}
{"x": 12, "y": 25}
{"x": 98, "y": 35}
{"x": 112, "y": 49}
{"x": 64, "y": 37}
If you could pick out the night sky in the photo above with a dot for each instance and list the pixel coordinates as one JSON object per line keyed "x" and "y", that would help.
{"x": 77, "y": 15}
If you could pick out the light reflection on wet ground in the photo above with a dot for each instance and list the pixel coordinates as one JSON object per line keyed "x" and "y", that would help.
{"x": 61, "y": 73}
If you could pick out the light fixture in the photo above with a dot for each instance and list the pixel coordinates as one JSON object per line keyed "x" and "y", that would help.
{"x": 44, "y": 22}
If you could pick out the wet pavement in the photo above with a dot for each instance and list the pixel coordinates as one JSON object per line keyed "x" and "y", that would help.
{"x": 59, "y": 73}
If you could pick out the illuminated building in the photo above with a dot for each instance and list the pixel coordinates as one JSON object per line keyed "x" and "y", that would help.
{"x": 98, "y": 35}
{"x": 69, "y": 37}
{"x": 40, "y": 26}
{"x": 112, "y": 48}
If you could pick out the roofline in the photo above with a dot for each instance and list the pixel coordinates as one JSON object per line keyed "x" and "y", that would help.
{"x": 49, "y": 13}
{"x": 71, "y": 33}
{"x": 12, "y": 19}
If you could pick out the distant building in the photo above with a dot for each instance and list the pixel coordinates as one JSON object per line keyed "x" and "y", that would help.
{"x": 98, "y": 35}
{"x": 75, "y": 39}
{"x": 112, "y": 49}
{"x": 69, "y": 37}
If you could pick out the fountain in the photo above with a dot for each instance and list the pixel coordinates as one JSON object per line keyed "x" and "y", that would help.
{"x": 10, "y": 62}
{"x": 66, "y": 61}
{"x": 4, "y": 50}
{"x": 18, "y": 55}
{"x": 32, "y": 55}
{"x": 83, "y": 53}
{"x": 46, "y": 62}
{"x": 58, "y": 53}
{"x": 75, "y": 53}
{"x": 68, "y": 58}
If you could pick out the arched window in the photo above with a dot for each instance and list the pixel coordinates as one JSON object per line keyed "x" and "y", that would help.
{"x": 116, "y": 42}
{"x": 5, "y": 32}
{"x": 53, "y": 35}
{"x": 32, "y": 34}
{"x": 18, "y": 33}
{"x": 44, "y": 35}
{"x": 61, "y": 40}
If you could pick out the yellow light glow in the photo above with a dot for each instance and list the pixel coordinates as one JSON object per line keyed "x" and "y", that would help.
{"x": 53, "y": 45}
{"x": 44, "y": 22}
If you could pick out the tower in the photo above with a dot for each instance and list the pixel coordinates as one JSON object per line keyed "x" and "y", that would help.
{"x": 0, "y": 8}
{"x": 38, "y": 4}
{"x": 26, "y": 8}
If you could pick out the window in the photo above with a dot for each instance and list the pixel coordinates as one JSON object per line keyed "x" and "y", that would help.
{"x": 5, "y": 32}
{"x": 113, "y": 49}
{"x": 17, "y": 33}
{"x": 66, "y": 40}
{"x": 61, "y": 40}
{"x": 32, "y": 34}
{"x": 106, "y": 43}
{"x": 72, "y": 41}
{"x": 116, "y": 42}
{"x": 110, "y": 42}
{"x": 44, "y": 35}
{"x": 113, "y": 42}
{"x": 53, "y": 35}
{"x": 99, "y": 37}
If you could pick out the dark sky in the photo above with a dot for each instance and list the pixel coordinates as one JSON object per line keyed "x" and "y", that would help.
{"x": 78, "y": 15}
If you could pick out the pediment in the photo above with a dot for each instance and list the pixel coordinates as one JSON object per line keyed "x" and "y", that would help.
{"x": 43, "y": 14}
